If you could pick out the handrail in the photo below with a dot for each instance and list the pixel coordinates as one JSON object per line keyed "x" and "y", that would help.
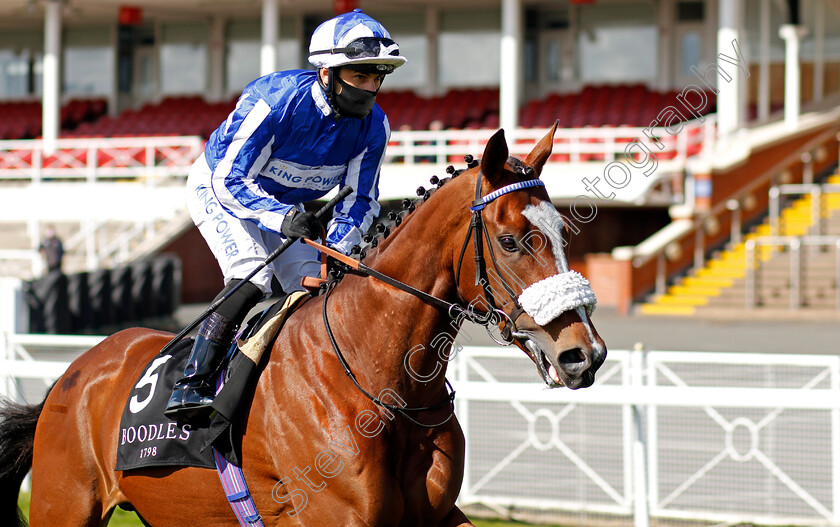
{"x": 739, "y": 195}
{"x": 794, "y": 243}
{"x": 23, "y": 255}
{"x": 119, "y": 249}
{"x": 710, "y": 216}
{"x": 816, "y": 190}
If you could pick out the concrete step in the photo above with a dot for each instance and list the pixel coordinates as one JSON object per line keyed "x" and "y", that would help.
{"x": 16, "y": 236}
{"x": 769, "y": 313}
{"x": 673, "y": 310}
{"x": 806, "y": 293}
{"x": 706, "y": 281}
{"x": 720, "y": 273}
{"x": 681, "y": 300}
{"x": 696, "y": 290}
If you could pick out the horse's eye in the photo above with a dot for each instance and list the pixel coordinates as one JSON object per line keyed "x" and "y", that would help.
{"x": 508, "y": 243}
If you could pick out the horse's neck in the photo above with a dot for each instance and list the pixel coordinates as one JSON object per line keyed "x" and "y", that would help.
{"x": 392, "y": 324}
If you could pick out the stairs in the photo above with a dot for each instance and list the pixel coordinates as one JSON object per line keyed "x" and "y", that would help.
{"x": 115, "y": 243}
{"x": 119, "y": 222}
{"x": 721, "y": 283}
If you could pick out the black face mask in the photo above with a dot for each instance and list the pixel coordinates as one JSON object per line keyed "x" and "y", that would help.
{"x": 352, "y": 102}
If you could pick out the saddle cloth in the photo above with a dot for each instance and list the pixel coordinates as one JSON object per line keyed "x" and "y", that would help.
{"x": 147, "y": 438}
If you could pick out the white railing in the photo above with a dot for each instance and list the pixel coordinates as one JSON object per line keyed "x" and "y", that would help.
{"x": 159, "y": 157}
{"x": 96, "y": 244}
{"x": 17, "y": 261}
{"x": 718, "y": 437}
{"x": 153, "y": 158}
{"x": 102, "y": 245}
{"x": 794, "y": 245}
{"x": 728, "y": 438}
{"x": 815, "y": 190}
{"x": 571, "y": 145}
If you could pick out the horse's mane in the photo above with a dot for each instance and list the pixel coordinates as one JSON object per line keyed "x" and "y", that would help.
{"x": 392, "y": 221}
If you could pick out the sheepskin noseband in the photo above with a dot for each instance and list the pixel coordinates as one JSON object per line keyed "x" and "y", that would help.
{"x": 548, "y": 298}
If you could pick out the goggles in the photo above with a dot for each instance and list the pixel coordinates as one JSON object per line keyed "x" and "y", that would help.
{"x": 365, "y": 47}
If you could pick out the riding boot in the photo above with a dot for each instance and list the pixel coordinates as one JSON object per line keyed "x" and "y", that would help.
{"x": 194, "y": 392}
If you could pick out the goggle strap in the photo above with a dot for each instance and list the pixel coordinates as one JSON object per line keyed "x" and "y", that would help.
{"x": 382, "y": 43}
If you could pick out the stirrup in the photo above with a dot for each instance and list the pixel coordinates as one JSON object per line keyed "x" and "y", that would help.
{"x": 187, "y": 404}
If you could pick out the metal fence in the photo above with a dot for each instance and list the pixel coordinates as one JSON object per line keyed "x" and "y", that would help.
{"x": 662, "y": 437}
{"x": 671, "y": 437}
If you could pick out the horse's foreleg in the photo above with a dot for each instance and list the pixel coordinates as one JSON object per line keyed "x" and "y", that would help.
{"x": 456, "y": 518}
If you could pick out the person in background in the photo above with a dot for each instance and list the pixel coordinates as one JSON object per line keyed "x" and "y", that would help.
{"x": 293, "y": 137}
{"x": 52, "y": 250}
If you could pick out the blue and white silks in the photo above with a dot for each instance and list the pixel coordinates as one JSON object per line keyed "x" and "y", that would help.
{"x": 283, "y": 146}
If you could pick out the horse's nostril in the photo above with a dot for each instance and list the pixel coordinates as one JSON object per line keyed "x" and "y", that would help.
{"x": 572, "y": 356}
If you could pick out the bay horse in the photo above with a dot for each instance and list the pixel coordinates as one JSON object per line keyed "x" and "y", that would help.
{"x": 315, "y": 449}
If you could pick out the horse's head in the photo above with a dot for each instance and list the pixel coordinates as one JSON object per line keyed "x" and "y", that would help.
{"x": 519, "y": 267}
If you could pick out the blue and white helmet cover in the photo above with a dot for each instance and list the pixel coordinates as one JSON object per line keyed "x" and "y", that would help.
{"x": 339, "y": 31}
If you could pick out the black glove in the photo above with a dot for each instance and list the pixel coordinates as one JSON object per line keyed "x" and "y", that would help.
{"x": 301, "y": 225}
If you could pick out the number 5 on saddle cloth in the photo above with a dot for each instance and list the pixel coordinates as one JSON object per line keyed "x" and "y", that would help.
{"x": 148, "y": 439}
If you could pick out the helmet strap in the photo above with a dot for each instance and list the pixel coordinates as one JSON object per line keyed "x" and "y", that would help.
{"x": 329, "y": 89}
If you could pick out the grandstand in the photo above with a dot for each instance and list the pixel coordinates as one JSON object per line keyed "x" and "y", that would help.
{"x": 681, "y": 124}
{"x": 696, "y": 164}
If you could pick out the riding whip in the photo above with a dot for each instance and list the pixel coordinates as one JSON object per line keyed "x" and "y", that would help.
{"x": 343, "y": 193}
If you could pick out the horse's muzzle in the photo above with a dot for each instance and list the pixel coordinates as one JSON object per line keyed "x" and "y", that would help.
{"x": 578, "y": 366}
{"x": 573, "y": 368}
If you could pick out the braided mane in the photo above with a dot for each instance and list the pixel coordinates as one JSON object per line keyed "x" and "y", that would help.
{"x": 383, "y": 228}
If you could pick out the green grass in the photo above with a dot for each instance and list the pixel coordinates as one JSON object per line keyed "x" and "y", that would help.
{"x": 122, "y": 518}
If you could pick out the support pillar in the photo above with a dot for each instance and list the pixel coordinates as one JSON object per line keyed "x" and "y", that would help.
{"x": 433, "y": 39}
{"x": 510, "y": 64}
{"x": 216, "y": 91}
{"x": 665, "y": 53}
{"x": 819, "y": 50}
{"x": 764, "y": 60}
{"x": 728, "y": 100}
{"x": 51, "y": 81}
{"x": 792, "y": 35}
{"x": 270, "y": 30}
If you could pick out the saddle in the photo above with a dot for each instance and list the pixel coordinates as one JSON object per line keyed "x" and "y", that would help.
{"x": 148, "y": 439}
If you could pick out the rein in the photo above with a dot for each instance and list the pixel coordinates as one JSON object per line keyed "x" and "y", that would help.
{"x": 403, "y": 411}
{"x": 455, "y": 311}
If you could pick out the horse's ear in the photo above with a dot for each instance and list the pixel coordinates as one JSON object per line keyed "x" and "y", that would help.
{"x": 495, "y": 155}
{"x": 539, "y": 155}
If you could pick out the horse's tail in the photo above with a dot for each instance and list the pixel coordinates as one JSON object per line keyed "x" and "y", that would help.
{"x": 17, "y": 437}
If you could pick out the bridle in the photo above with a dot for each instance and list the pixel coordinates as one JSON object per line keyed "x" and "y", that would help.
{"x": 478, "y": 231}
{"x": 454, "y": 310}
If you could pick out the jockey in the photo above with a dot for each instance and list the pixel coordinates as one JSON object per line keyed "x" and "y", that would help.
{"x": 293, "y": 136}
